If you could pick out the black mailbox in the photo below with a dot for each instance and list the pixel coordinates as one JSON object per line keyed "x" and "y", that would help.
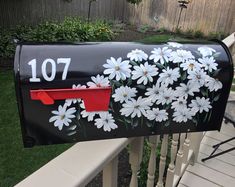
{"x": 90, "y": 91}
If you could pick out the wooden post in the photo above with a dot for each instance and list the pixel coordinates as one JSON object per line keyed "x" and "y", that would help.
{"x": 195, "y": 140}
{"x": 171, "y": 168}
{"x": 186, "y": 148}
{"x": 180, "y": 154}
{"x": 135, "y": 158}
{"x": 110, "y": 173}
{"x": 162, "y": 163}
{"x": 153, "y": 141}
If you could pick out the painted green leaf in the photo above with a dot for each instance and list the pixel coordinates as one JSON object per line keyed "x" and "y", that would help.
{"x": 204, "y": 93}
{"x": 133, "y": 63}
{"x": 140, "y": 86}
{"x": 71, "y": 133}
{"x": 217, "y": 54}
{"x": 129, "y": 82}
{"x": 149, "y": 124}
{"x": 184, "y": 76}
{"x": 216, "y": 98}
{"x": 73, "y": 127}
{"x": 167, "y": 123}
{"x": 159, "y": 65}
{"x": 216, "y": 72}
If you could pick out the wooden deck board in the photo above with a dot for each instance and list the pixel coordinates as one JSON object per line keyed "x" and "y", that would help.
{"x": 219, "y": 171}
{"x": 227, "y": 158}
{"x": 211, "y": 175}
{"x": 193, "y": 180}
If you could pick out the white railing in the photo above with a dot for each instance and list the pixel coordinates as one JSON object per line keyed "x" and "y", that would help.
{"x": 81, "y": 163}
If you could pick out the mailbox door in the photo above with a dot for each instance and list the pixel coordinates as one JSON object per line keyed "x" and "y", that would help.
{"x": 90, "y": 91}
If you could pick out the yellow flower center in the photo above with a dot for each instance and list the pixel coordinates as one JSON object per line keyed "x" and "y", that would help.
{"x": 62, "y": 117}
{"x": 117, "y": 68}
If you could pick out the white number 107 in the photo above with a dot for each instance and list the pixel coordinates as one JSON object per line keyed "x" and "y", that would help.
{"x": 48, "y": 62}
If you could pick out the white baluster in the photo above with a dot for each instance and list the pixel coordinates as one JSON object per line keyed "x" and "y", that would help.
{"x": 171, "y": 168}
{"x": 162, "y": 163}
{"x": 186, "y": 148}
{"x": 153, "y": 141}
{"x": 180, "y": 154}
{"x": 135, "y": 158}
{"x": 110, "y": 173}
{"x": 195, "y": 140}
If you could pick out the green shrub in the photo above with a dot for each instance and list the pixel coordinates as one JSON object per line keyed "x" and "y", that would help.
{"x": 217, "y": 35}
{"x": 198, "y": 34}
{"x": 70, "y": 30}
{"x": 189, "y": 33}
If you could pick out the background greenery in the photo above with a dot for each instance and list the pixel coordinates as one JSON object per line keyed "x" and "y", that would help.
{"x": 70, "y": 30}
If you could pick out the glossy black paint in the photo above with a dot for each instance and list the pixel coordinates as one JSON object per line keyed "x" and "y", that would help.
{"x": 87, "y": 61}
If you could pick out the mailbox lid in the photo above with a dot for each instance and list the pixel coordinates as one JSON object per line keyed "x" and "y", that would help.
{"x": 87, "y": 66}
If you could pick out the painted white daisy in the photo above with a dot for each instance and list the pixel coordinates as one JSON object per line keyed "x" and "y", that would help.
{"x": 213, "y": 84}
{"x": 166, "y": 97}
{"x": 89, "y": 115}
{"x": 154, "y": 92}
{"x": 117, "y": 68}
{"x": 181, "y": 55}
{"x": 186, "y": 89}
{"x": 175, "y": 44}
{"x": 98, "y": 81}
{"x": 169, "y": 76}
{"x": 206, "y": 51}
{"x": 137, "y": 55}
{"x": 183, "y": 115}
{"x": 157, "y": 115}
{"x": 62, "y": 116}
{"x": 208, "y": 63}
{"x": 136, "y": 107}
{"x": 75, "y": 100}
{"x": 198, "y": 77}
{"x": 106, "y": 121}
{"x": 190, "y": 65}
{"x": 144, "y": 73}
{"x": 179, "y": 104}
{"x": 124, "y": 93}
{"x": 161, "y": 55}
{"x": 200, "y": 104}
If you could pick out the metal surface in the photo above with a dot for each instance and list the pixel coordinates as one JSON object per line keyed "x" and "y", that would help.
{"x": 85, "y": 61}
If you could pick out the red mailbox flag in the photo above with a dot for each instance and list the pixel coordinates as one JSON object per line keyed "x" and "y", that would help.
{"x": 95, "y": 99}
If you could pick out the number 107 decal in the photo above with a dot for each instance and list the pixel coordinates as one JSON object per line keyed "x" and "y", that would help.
{"x": 45, "y": 66}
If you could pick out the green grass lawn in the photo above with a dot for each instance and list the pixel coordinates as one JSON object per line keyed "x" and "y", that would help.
{"x": 16, "y": 162}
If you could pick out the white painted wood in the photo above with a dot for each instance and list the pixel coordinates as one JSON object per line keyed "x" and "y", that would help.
{"x": 171, "y": 167}
{"x": 230, "y": 40}
{"x": 186, "y": 147}
{"x": 228, "y": 129}
{"x": 195, "y": 139}
{"x": 181, "y": 185}
{"x": 110, "y": 173}
{"x": 212, "y": 175}
{"x": 218, "y": 136}
{"x": 78, "y": 165}
{"x": 210, "y": 141}
{"x": 162, "y": 163}
{"x": 135, "y": 159}
{"x": 191, "y": 180}
{"x": 227, "y": 158}
{"x": 180, "y": 154}
{"x": 217, "y": 165}
{"x": 153, "y": 142}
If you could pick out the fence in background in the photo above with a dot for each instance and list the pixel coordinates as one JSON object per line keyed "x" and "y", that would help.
{"x": 203, "y": 15}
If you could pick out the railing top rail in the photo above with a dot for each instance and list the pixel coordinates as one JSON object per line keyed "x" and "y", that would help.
{"x": 229, "y": 40}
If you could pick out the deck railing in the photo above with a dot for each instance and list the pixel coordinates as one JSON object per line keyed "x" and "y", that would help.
{"x": 81, "y": 163}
